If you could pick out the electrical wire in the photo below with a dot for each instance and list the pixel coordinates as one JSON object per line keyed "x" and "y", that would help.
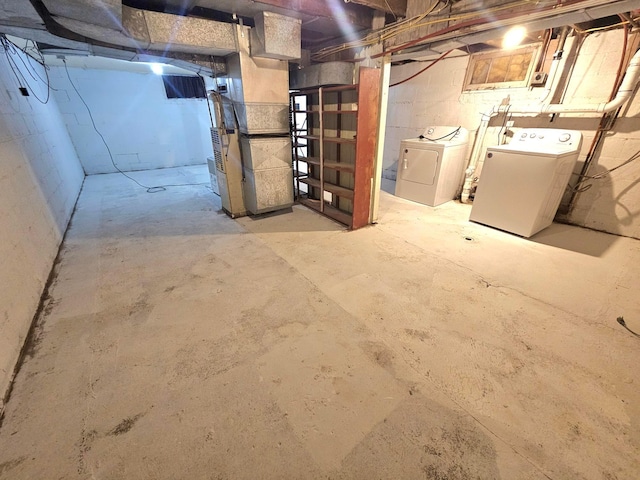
{"x": 545, "y": 47}
{"x": 30, "y": 69}
{"x": 473, "y": 20}
{"x": 418, "y": 21}
{"x": 154, "y": 189}
{"x": 599, "y": 136}
{"x": 451, "y": 134}
{"x": 601, "y": 175}
{"x": 599, "y": 29}
{"x": 46, "y": 71}
{"x": 11, "y": 50}
{"x": 380, "y": 35}
{"x": 504, "y": 124}
{"x": 391, "y": 10}
{"x": 31, "y": 52}
{"x": 421, "y": 71}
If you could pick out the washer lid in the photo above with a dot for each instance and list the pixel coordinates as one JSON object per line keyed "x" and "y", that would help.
{"x": 546, "y": 150}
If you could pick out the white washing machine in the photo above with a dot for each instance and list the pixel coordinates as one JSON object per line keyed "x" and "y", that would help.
{"x": 430, "y": 167}
{"x": 521, "y": 184}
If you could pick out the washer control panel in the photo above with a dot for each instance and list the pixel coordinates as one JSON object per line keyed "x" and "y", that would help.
{"x": 546, "y": 137}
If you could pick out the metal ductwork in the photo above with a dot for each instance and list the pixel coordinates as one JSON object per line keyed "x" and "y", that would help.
{"x": 276, "y": 36}
{"x": 109, "y": 29}
{"x": 259, "y": 91}
{"x": 328, "y": 73}
{"x": 103, "y": 13}
{"x": 146, "y": 30}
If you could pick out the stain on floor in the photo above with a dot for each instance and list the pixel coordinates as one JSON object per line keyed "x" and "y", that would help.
{"x": 284, "y": 347}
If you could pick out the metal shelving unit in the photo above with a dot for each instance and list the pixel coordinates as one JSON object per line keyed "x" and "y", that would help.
{"x": 334, "y": 131}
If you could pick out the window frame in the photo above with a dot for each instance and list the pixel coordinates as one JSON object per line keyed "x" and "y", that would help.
{"x": 535, "y": 49}
{"x": 177, "y": 87}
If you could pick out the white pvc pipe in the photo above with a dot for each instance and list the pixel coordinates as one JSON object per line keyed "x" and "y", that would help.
{"x": 551, "y": 85}
{"x": 624, "y": 92}
{"x": 475, "y": 154}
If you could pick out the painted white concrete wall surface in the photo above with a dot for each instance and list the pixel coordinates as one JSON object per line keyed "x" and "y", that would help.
{"x": 40, "y": 179}
{"x": 142, "y": 127}
{"x": 436, "y": 98}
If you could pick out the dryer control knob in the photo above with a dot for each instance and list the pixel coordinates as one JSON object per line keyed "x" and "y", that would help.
{"x": 564, "y": 137}
{"x": 524, "y": 135}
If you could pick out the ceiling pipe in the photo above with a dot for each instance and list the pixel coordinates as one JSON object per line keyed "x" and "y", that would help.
{"x": 628, "y": 18}
{"x": 622, "y": 95}
{"x": 624, "y": 92}
{"x": 479, "y": 30}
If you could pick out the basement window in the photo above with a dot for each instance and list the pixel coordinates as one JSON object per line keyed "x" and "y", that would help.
{"x": 182, "y": 86}
{"x": 501, "y": 68}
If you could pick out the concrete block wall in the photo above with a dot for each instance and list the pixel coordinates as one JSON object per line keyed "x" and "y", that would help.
{"x": 142, "y": 127}
{"x": 436, "y": 98}
{"x": 40, "y": 179}
{"x": 611, "y": 204}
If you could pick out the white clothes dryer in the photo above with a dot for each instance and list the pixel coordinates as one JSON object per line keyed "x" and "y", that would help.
{"x": 430, "y": 167}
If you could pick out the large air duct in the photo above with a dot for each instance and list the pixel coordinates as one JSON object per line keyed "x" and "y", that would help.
{"x": 259, "y": 90}
{"x": 276, "y": 36}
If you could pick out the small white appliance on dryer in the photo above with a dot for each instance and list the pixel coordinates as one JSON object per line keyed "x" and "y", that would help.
{"x": 521, "y": 184}
{"x": 430, "y": 167}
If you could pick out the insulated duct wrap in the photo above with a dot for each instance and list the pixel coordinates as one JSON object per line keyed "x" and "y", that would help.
{"x": 268, "y": 174}
{"x": 263, "y": 118}
{"x": 329, "y": 73}
{"x": 146, "y": 30}
{"x": 276, "y": 36}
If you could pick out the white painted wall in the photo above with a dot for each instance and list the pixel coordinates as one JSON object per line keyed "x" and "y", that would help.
{"x": 40, "y": 178}
{"x": 142, "y": 127}
{"x": 436, "y": 98}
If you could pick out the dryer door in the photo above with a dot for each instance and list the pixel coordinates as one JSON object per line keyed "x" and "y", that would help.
{"x": 419, "y": 166}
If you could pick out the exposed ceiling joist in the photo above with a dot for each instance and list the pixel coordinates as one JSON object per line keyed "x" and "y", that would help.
{"x": 462, "y": 34}
{"x": 395, "y": 7}
{"x": 330, "y": 9}
{"x": 179, "y": 7}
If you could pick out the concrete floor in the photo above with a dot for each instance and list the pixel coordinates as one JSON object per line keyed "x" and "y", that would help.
{"x": 180, "y": 344}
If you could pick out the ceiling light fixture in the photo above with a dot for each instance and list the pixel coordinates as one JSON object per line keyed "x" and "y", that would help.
{"x": 514, "y": 37}
{"x": 156, "y": 68}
